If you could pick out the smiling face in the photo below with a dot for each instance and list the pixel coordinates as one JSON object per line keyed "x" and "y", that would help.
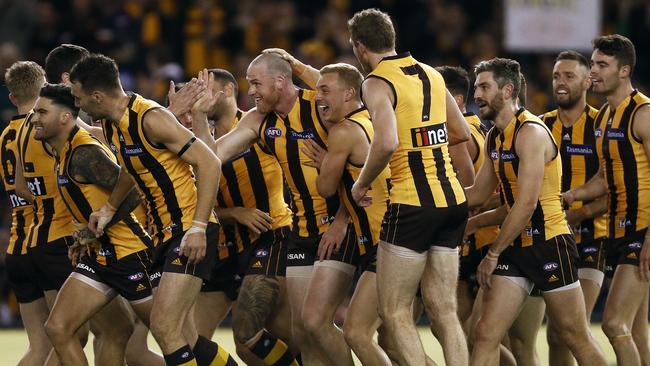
{"x": 331, "y": 97}
{"x": 488, "y": 96}
{"x": 570, "y": 83}
{"x": 262, "y": 87}
{"x": 47, "y": 119}
{"x": 605, "y": 73}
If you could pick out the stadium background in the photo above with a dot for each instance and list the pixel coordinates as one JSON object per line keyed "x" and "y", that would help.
{"x": 154, "y": 41}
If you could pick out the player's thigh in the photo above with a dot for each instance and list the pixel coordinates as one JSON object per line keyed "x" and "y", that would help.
{"x": 175, "y": 295}
{"x": 626, "y": 293}
{"x": 362, "y": 311}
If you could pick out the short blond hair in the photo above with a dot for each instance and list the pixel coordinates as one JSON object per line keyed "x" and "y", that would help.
{"x": 347, "y": 73}
{"x": 24, "y": 80}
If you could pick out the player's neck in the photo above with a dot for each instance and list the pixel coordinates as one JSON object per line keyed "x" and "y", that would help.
{"x": 619, "y": 95}
{"x": 25, "y": 108}
{"x": 117, "y": 106}
{"x": 287, "y": 101}
{"x": 58, "y": 142}
{"x": 225, "y": 121}
{"x": 375, "y": 58}
{"x": 569, "y": 116}
{"x": 505, "y": 116}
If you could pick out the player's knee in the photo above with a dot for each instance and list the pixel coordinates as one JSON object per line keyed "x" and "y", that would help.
{"x": 313, "y": 321}
{"x": 485, "y": 334}
{"x": 57, "y": 330}
{"x": 553, "y": 338}
{"x": 613, "y": 327}
{"x": 356, "y": 335}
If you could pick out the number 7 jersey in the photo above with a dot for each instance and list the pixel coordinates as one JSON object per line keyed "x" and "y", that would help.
{"x": 421, "y": 170}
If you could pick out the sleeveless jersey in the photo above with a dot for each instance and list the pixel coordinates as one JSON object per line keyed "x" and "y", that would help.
{"x": 421, "y": 170}
{"x": 625, "y": 165}
{"x": 548, "y": 220}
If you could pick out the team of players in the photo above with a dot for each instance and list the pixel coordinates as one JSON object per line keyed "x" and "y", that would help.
{"x": 375, "y": 170}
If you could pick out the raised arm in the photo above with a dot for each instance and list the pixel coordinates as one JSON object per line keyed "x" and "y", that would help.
{"x": 304, "y": 72}
{"x": 240, "y": 138}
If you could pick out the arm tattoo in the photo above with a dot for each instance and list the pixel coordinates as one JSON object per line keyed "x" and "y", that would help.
{"x": 92, "y": 165}
{"x": 257, "y": 299}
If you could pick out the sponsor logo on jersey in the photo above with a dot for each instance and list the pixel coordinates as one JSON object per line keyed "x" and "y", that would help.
{"x": 429, "y": 135}
{"x": 616, "y": 134}
{"x": 577, "y": 149}
{"x": 133, "y": 150}
{"x": 307, "y": 134}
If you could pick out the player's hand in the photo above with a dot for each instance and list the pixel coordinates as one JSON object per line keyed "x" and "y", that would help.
{"x": 314, "y": 152}
{"x": 193, "y": 244}
{"x": 567, "y": 199}
{"x": 99, "y": 219}
{"x": 85, "y": 241}
{"x": 574, "y": 217}
{"x": 206, "y": 99}
{"x": 644, "y": 261}
{"x": 359, "y": 195}
{"x": 485, "y": 270}
{"x": 470, "y": 228}
{"x": 255, "y": 220}
{"x": 332, "y": 239}
{"x": 283, "y": 54}
{"x": 182, "y": 101}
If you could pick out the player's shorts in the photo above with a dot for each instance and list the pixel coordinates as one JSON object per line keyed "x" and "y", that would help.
{"x": 127, "y": 277}
{"x": 547, "y": 266}
{"x": 168, "y": 258}
{"x": 267, "y": 255}
{"x": 21, "y": 277}
{"x": 470, "y": 258}
{"x": 625, "y": 250}
{"x": 420, "y": 228}
{"x": 592, "y": 254}
{"x": 51, "y": 263}
{"x": 368, "y": 261}
{"x": 304, "y": 251}
{"x": 224, "y": 277}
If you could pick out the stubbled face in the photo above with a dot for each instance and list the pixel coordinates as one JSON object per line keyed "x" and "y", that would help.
{"x": 570, "y": 83}
{"x": 47, "y": 119}
{"x": 87, "y": 102}
{"x": 361, "y": 55}
{"x": 262, "y": 88}
{"x": 487, "y": 95}
{"x": 605, "y": 73}
{"x": 331, "y": 97}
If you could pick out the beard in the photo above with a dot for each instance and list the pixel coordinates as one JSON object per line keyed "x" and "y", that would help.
{"x": 570, "y": 102}
{"x": 494, "y": 107}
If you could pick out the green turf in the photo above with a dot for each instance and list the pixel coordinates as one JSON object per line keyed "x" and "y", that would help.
{"x": 14, "y": 342}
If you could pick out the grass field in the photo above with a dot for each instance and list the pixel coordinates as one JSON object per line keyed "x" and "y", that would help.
{"x": 14, "y": 342}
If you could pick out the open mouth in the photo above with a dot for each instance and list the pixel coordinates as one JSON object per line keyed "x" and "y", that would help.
{"x": 324, "y": 108}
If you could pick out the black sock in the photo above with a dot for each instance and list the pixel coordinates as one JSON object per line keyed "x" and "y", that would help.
{"x": 181, "y": 357}
{"x": 273, "y": 351}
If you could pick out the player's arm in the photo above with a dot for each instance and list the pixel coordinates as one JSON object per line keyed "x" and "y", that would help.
{"x": 529, "y": 181}
{"x": 21, "y": 183}
{"x": 484, "y": 219}
{"x": 588, "y": 211}
{"x": 161, "y": 127}
{"x": 90, "y": 164}
{"x": 641, "y": 131}
{"x": 255, "y": 220}
{"x": 378, "y": 98}
{"x": 457, "y": 126}
{"x": 340, "y": 144}
{"x": 309, "y": 75}
{"x": 462, "y": 162}
{"x": 484, "y": 184}
{"x": 594, "y": 188}
{"x": 335, "y": 234}
{"x": 240, "y": 138}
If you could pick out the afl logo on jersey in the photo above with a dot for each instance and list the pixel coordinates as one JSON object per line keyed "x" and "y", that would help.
{"x": 598, "y": 133}
{"x": 273, "y": 132}
{"x": 494, "y": 155}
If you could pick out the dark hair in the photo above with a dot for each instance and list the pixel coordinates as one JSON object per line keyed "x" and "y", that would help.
{"x": 573, "y": 55}
{"x": 456, "y": 80}
{"x": 374, "y": 29}
{"x": 523, "y": 87}
{"x": 224, "y": 77}
{"x": 61, "y": 59}
{"x": 618, "y": 46}
{"x": 504, "y": 71}
{"x": 24, "y": 80}
{"x": 60, "y": 94}
{"x": 96, "y": 72}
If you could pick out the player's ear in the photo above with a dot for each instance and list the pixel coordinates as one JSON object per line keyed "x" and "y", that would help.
{"x": 624, "y": 71}
{"x": 509, "y": 89}
{"x": 13, "y": 100}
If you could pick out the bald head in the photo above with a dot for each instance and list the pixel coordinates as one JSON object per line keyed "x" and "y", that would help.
{"x": 274, "y": 65}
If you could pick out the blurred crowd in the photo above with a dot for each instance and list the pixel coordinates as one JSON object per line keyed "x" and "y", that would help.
{"x": 155, "y": 41}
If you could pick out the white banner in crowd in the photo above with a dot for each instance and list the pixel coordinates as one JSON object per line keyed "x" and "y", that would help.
{"x": 551, "y": 25}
